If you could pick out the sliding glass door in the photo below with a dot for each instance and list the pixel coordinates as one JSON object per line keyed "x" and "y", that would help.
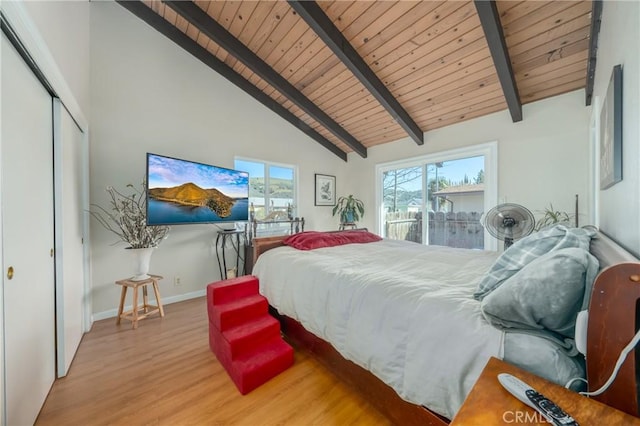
{"x": 455, "y": 195}
{"x": 402, "y": 203}
{"x": 438, "y": 199}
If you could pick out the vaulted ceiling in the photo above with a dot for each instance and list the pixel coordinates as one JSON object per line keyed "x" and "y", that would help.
{"x": 354, "y": 74}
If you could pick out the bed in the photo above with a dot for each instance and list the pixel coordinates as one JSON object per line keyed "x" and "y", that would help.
{"x": 402, "y": 318}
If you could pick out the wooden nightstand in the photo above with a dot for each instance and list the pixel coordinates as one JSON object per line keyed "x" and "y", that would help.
{"x": 489, "y": 403}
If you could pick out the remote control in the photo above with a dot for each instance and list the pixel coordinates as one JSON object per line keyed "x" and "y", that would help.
{"x": 536, "y": 400}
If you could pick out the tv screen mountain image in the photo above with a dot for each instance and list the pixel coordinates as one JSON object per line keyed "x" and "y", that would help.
{"x": 185, "y": 192}
{"x": 190, "y": 194}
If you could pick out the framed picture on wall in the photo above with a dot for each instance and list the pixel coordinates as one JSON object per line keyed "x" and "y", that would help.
{"x": 611, "y": 132}
{"x": 325, "y": 190}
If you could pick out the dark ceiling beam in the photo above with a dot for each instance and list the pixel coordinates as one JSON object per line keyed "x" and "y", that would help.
{"x": 490, "y": 20}
{"x": 596, "y": 20}
{"x": 216, "y": 32}
{"x": 332, "y": 36}
{"x": 161, "y": 25}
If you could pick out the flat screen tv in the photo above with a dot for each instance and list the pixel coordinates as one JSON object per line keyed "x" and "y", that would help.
{"x": 181, "y": 191}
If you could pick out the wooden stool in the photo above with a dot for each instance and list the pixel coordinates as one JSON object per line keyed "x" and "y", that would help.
{"x": 133, "y": 315}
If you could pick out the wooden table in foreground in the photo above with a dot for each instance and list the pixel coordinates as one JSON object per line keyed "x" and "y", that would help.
{"x": 489, "y": 403}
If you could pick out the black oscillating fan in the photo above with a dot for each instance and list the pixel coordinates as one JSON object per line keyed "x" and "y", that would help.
{"x": 508, "y": 222}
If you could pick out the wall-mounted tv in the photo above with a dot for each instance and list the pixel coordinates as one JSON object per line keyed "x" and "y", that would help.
{"x": 181, "y": 191}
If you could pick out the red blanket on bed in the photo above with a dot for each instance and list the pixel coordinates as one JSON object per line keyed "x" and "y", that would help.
{"x": 310, "y": 240}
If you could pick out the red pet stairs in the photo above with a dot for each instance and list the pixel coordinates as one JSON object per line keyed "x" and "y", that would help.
{"x": 242, "y": 334}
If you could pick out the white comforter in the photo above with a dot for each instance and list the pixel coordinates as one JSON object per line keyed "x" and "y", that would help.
{"x": 401, "y": 310}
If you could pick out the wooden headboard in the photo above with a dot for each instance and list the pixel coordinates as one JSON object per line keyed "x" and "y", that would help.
{"x": 614, "y": 318}
{"x": 262, "y": 244}
{"x": 608, "y": 252}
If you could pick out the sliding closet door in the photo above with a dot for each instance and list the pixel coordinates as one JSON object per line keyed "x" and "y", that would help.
{"x": 28, "y": 258}
{"x": 69, "y": 211}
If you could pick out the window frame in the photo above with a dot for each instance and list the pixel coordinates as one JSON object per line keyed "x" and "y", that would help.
{"x": 267, "y": 165}
{"x": 490, "y": 152}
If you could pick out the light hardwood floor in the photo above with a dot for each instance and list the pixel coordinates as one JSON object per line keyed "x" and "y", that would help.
{"x": 163, "y": 373}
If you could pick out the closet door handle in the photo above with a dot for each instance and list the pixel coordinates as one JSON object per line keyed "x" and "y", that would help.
{"x": 10, "y": 272}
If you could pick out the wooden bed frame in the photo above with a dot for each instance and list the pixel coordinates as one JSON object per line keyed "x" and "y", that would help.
{"x": 614, "y": 317}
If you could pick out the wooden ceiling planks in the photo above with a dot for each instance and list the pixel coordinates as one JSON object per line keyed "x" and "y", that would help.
{"x": 461, "y": 112}
{"x": 539, "y": 46}
{"x": 322, "y": 25}
{"x": 431, "y": 55}
{"x": 246, "y": 22}
{"x": 545, "y": 26}
{"x": 412, "y": 52}
{"x": 440, "y": 65}
{"x": 426, "y": 54}
{"x": 415, "y": 21}
{"x": 353, "y": 19}
{"x": 411, "y": 81}
{"x": 479, "y": 111}
{"x": 528, "y": 20}
{"x": 440, "y": 91}
{"x": 548, "y": 45}
{"x": 340, "y": 81}
{"x": 552, "y": 75}
{"x": 344, "y": 78}
{"x": 556, "y": 90}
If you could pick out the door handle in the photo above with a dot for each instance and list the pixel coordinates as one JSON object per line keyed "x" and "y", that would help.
{"x": 10, "y": 272}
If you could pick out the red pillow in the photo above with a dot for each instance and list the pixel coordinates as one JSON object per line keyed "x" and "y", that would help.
{"x": 310, "y": 240}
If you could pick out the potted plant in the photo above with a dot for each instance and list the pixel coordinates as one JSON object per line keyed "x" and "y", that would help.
{"x": 127, "y": 219}
{"x": 349, "y": 208}
{"x": 551, "y": 216}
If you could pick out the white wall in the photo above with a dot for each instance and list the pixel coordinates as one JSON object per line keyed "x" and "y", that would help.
{"x": 64, "y": 25}
{"x": 148, "y": 95}
{"x": 466, "y": 202}
{"x": 541, "y": 160}
{"x": 619, "y": 43}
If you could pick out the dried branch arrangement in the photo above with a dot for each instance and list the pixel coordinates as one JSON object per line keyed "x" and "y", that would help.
{"x": 127, "y": 218}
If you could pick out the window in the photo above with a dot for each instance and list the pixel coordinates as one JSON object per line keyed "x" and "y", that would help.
{"x": 439, "y": 199}
{"x": 272, "y": 188}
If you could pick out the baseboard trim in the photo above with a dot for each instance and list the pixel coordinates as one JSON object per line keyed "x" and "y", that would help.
{"x": 111, "y": 313}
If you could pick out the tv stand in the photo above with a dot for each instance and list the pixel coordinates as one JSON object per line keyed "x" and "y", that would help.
{"x": 225, "y": 236}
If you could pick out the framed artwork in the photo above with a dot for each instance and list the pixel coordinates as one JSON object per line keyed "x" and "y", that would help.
{"x": 611, "y": 132}
{"x": 325, "y": 190}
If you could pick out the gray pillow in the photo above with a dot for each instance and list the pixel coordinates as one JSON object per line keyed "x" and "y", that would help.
{"x": 524, "y": 251}
{"x": 546, "y": 294}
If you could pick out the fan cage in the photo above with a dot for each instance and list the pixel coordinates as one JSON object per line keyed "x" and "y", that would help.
{"x": 509, "y": 222}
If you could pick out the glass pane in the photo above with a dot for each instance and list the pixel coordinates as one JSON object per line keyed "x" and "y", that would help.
{"x": 256, "y": 185}
{"x": 280, "y": 192}
{"x": 402, "y": 202}
{"x": 455, "y": 195}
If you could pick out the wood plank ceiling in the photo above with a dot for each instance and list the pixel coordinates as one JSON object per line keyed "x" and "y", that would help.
{"x": 432, "y": 58}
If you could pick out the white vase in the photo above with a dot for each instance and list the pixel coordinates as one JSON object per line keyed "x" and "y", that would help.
{"x": 141, "y": 260}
